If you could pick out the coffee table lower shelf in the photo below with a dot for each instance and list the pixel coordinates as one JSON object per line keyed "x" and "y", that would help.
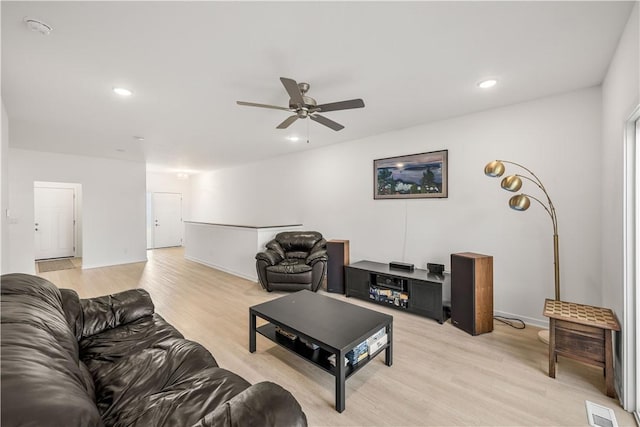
{"x": 318, "y": 357}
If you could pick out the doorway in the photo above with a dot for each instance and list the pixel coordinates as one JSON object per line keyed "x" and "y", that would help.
{"x": 55, "y": 220}
{"x": 165, "y": 220}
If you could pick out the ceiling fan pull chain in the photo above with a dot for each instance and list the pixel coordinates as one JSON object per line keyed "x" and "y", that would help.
{"x": 307, "y": 131}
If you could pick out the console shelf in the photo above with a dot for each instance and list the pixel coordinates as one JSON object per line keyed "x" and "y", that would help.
{"x": 418, "y": 291}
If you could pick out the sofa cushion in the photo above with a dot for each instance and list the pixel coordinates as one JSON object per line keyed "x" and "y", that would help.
{"x": 290, "y": 271}
{"x": 110, "y": 311}
{"x": 145, "y": 372}
{"x": 253, "y": 407}
{"x": 300, "y": 241}
{"x": 42, "y": 380}
{"x": 297, "y": 255}
{"x": 101, "y": 351}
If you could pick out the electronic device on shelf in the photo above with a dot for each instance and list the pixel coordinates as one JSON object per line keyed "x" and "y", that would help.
{"x": 435, "y": 268}
{"x": 401, "y": 266}
{"x": 391, "y": 282}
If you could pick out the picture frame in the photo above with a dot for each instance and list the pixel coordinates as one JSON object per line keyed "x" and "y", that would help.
{"x": 414, "y": 176}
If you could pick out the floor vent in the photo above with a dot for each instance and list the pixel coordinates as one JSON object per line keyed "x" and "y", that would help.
{"x": 600, "y": 416}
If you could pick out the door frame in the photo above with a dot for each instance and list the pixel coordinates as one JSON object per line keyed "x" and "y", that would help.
{"x": 630, "y": 395}
{"x": 76, "y": 220}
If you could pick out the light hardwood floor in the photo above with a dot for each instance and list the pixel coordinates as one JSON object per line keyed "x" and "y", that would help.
{"x": 440, "y": 376}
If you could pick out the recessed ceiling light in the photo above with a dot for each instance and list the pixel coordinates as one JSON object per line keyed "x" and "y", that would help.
{"x": 486, "y": 84}
{"x": 122, "y": 91}
{"x": 139, "y": 138}
{"x": 38, "y": 26}
{"x": 120, "y": 150}
{"x": 293, "y": 138}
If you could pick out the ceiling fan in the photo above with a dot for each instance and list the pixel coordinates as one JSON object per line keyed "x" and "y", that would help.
{"x": 304, "y": 106}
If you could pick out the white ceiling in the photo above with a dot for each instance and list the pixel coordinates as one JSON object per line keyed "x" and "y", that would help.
{"x": 188, "y": 62}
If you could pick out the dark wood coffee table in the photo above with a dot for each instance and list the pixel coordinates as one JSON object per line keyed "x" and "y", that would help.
{"x": 334, "y": 326}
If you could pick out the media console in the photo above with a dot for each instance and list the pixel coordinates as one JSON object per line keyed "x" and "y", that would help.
{"x": 417, "y": 291}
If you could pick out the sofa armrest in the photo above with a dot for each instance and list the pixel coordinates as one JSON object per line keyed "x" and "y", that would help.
{"x": 110, "y": 311}
{"x": 274, "y": 245}
{"x": 72, "y": 311}
{"x": 263, "y": 404}
{"x": 270, "y": 256}
{"x": 318, "y": 255}
{"x": 320, "y": 244}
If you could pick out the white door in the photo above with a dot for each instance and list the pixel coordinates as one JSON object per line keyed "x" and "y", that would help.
{"x": 54, "y": 222}
{"x": 167, "y": 225}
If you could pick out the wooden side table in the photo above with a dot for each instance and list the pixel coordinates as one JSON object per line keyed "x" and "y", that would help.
{"x": 581, "y": 332}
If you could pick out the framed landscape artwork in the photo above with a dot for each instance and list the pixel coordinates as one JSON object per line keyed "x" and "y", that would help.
{"x": 415, "y": 176}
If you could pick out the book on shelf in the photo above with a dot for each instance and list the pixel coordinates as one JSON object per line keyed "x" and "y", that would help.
{"x": 360, "y": 349}
{"x": 389, "y": 296}
{"x": 377, "y": 344}
{"x": 362, "y": 357}
{"x": 377, "y": 335}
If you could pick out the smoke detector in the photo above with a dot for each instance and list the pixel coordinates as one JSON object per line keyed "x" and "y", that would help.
{"x": 38, "y": 26}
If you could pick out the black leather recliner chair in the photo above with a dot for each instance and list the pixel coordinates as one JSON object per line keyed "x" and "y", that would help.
{"x": 293, "y": 261}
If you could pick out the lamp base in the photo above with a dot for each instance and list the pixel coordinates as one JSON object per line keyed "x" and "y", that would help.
{"x": 543, "y": 336}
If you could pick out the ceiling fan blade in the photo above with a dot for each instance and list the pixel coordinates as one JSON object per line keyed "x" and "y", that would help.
{"x": 342, "y": 105}
{"x": 327, "y": 122}
{"x": 253, "y": 104}
{"x": 293, "y": 90}
{"x": 287, "y": 122}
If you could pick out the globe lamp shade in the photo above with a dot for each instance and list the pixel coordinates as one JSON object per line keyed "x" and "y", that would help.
{"x": 511, "y": 183}
{"x": 494, "y": 169}
{"x": 519, "y": 202}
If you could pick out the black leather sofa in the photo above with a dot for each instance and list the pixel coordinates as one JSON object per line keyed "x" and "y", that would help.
{"x": 111, "y": 361}
{"x": 293, "y": 261}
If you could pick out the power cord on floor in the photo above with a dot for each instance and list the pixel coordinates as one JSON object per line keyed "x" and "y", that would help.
{"x": 510, "y": 321}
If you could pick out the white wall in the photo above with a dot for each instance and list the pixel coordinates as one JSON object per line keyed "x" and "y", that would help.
{"x": 4, "y": 192}
{"x": 620, "y": 95}
{"x": 331, "y": 190}
{"x": 113, "y": 206}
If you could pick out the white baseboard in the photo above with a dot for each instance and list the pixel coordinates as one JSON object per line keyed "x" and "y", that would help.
{"x": 90, "y": 266}
{"x": 253, "y": 278}
{"x": 527, "y": 320}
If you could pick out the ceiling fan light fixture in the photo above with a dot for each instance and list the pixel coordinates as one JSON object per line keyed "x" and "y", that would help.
{"x": 487, "y": 84}
{"x": 293, "y": 138}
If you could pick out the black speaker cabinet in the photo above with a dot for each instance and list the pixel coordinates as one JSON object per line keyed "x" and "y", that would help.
{"x": 338, "y": 252}
{"x": 472, "y": 292}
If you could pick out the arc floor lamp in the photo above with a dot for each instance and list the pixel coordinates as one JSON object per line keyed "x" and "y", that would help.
{"x": 521, "y": 202}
